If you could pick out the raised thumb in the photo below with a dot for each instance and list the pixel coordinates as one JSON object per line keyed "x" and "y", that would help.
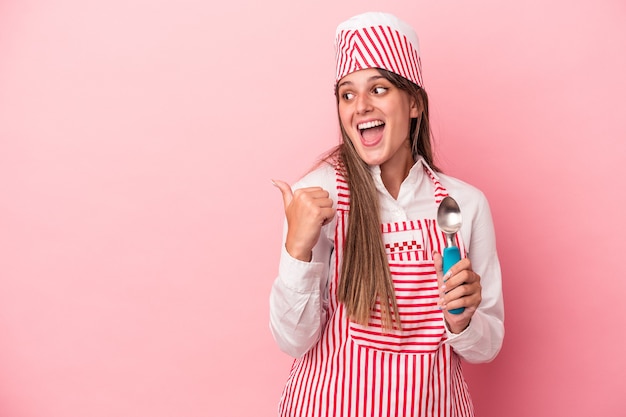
{"x": 285, "y": 190}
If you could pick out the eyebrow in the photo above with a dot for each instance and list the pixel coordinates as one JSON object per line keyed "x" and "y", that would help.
{"x": 370, "y": 79}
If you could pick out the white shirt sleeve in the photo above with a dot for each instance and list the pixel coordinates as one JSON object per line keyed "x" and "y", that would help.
{"x": 299, "y": 295}
{"x": 482, "y": 339}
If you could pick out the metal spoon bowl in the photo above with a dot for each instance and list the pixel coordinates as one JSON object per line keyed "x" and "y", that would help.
{"x": 449, "y": 219}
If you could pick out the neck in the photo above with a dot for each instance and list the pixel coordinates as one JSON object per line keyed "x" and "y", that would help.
{"x": 395, "y": 173}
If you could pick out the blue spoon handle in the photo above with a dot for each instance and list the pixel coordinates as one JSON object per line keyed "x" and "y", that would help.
{"x": 451, "y": 255}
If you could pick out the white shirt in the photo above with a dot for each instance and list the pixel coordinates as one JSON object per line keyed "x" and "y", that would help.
{"x": 299, "y": 296}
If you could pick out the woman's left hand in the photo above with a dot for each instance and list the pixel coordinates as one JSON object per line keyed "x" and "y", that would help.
{"x": 460, "y": 287}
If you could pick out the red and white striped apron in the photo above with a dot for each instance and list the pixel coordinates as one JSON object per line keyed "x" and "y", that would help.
{"x": 357, "y": 370}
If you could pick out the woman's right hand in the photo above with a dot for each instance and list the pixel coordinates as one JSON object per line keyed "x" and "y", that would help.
{"x": 306, "y": 210}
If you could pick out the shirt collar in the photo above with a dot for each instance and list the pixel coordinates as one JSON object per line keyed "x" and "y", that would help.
{"x": 415, "y": 177}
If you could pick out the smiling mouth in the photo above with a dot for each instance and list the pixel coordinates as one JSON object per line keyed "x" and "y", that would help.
{"x": 371, "y": 132}
{"x": 370, "y": 125}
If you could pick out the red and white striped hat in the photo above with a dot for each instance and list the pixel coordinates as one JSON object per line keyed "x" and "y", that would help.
{"x": 377, "y": 40}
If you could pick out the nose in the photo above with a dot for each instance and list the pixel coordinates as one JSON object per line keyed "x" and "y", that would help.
{"x": 363, "y": 103}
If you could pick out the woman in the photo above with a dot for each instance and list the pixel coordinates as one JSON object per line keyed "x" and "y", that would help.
{"x": 360, "y": 300}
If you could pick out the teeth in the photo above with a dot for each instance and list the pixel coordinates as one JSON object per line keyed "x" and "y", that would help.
{"x": 370, "y": 125}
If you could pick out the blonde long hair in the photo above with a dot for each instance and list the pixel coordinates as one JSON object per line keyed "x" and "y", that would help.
{"x": 365, "y": 274}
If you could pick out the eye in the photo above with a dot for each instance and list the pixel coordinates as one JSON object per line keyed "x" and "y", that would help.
{"x": 347, "y": 96}
{"x": 379, "y": 90}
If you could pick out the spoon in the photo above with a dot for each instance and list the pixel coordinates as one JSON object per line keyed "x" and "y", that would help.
{"x": 449, "y": 221}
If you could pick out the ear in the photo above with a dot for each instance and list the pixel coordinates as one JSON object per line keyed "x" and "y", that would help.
{"x": 416, "y": 108}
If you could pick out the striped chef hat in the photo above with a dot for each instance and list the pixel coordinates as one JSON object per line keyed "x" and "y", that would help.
{"x": 377, "y": 40}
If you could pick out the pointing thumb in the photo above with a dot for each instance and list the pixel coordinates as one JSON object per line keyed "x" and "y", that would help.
{"x": 285, "y": 189}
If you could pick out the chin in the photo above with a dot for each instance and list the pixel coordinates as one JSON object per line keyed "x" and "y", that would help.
{"x": 373, "y": 161}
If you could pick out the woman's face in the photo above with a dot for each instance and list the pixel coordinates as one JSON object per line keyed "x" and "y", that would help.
{"x": 376, "y": 116}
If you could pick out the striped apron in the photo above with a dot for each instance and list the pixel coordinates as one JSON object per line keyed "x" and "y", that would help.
{"x": 357, "y": 370}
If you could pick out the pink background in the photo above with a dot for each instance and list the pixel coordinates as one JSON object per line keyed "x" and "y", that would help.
{"x": 139, "y": 231}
